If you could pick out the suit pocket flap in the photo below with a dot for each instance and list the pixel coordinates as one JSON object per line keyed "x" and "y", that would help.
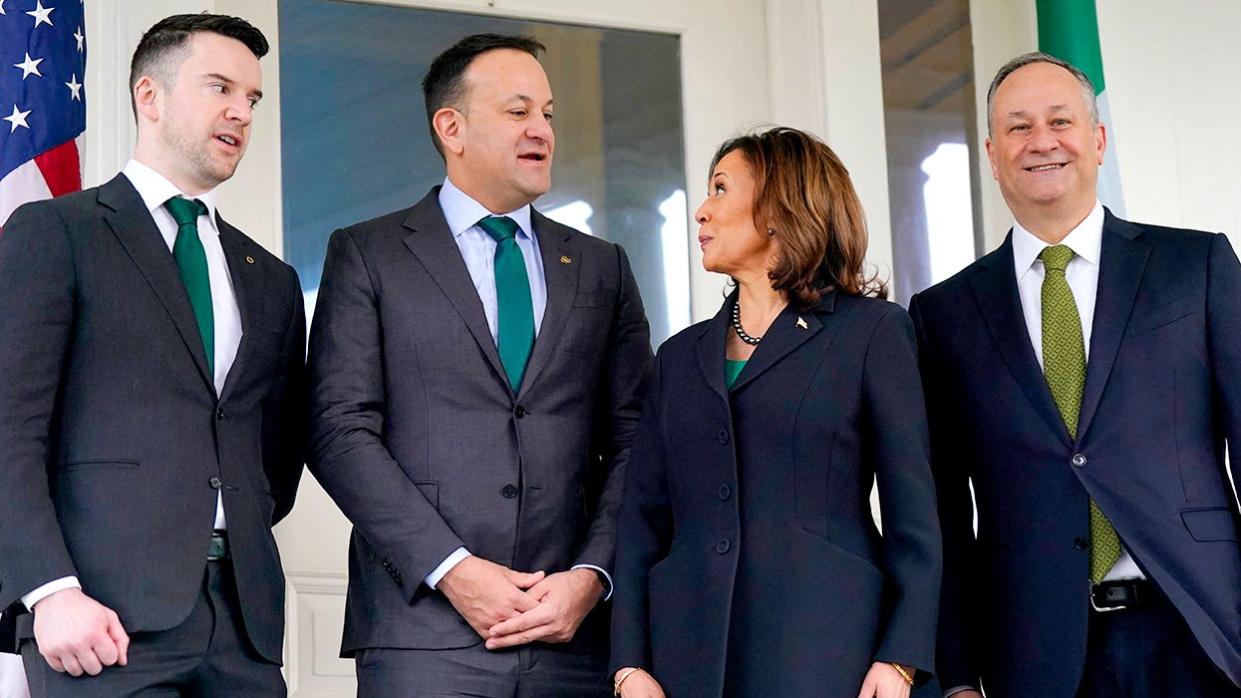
{"x": 592, "y": 299}
{"x": 117, "y": 464}
{"x": 1164, "y": 315}
{"x": 1209, "y": 525}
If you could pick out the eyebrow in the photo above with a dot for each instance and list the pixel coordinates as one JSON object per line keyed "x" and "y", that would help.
{"x": 1021, "y": 114}
{"x": 530, "y": 100}
{"x": 256, "y": 94}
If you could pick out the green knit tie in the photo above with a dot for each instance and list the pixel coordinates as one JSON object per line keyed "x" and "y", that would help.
{"x": 192, "y": 261}
{"x": 1064, "y": 364}
{"x": 515, "y": 334}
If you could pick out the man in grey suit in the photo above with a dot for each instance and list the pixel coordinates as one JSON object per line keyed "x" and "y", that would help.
{"x": 477, "y": 371}
{"x": 152, "y": 360}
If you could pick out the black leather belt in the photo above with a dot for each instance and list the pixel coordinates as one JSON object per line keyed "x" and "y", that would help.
{"x": 219, "y": 546}
{"x": 1121, "y": 594}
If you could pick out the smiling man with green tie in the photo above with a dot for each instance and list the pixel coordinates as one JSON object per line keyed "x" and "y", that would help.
{"x": 477, "y": 373}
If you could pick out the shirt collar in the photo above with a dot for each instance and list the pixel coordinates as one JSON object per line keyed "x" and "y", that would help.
{"x": 462, "y": 212}
{"x": 155, "y": 189}
{"x": 1086, "y": 241}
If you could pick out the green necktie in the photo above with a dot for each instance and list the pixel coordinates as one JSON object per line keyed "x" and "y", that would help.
{"x": 515, "y": 335}
{"x": 1064, "y": 364}
{"x": 192, "y": 261}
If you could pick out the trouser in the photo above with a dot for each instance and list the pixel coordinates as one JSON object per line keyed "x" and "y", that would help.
{"x": 536, "y": 671}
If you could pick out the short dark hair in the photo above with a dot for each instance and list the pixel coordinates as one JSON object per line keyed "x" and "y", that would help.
{"x": 444, "y": 83}
{"x": 805, "y": 199}
{"x": 1025, "y": 59}
{"x": 164, "y": 41}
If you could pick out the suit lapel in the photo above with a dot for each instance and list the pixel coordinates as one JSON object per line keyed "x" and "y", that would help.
{"x": 432, "y": 244}
{"x": 995, "y": 289}
{"x": 790, "y": 330}
{"x": 134, "y": 227}
{"x": 1121, "y": 263}
{"x": 240, "y": 261}
{"x": 711, "y": 347}
{"x": 561, "y": 279}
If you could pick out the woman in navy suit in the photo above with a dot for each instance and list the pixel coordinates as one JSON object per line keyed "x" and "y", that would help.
{"x": 748, "y": 562}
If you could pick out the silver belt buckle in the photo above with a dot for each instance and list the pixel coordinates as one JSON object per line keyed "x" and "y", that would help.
{"x": 1097, "y": 608}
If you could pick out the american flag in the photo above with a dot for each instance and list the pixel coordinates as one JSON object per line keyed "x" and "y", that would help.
{"x": 42, "y": 100}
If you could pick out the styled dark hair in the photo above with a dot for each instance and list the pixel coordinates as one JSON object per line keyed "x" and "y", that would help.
{"x": 444, "y": 83}
{"x": 1088, "y": 95}
{"x": 162, "y": 47}
{"x": 804, "y": 198}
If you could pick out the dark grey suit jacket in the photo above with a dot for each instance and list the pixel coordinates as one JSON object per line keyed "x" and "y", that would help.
{"x": 114, "y": 441}
{"x": 419, "y": 439}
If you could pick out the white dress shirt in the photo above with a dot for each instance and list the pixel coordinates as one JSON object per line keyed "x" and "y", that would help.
{"x": 478, "y": 249}
{"x": 155, "y": 190}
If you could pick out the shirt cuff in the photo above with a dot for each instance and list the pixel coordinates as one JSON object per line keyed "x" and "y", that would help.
{"x": 607, "y": 578}
{"x": 432, "y": 580}
{"x": 957, "y": 689}
{"x": 34, "y": 597}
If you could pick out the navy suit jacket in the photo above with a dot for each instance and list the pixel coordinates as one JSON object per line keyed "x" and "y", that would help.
{"x": 747, "y": 512}
{"x": 1162, "y": 396}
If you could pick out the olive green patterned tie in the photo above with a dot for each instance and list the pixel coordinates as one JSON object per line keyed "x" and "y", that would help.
{"x": 1064, "y": 364}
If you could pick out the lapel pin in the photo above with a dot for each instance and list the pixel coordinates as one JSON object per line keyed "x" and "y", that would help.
{"x": 802, "y": 323}
{"x": 249, "y": 259}
{"x": 565, "y": 259}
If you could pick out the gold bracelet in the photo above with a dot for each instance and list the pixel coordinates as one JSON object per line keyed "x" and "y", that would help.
{"x": 904, "y": 674}
{"x": 616, "y": 687}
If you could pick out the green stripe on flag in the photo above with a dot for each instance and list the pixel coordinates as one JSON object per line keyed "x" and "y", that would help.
{"x": 1069, "y": 30}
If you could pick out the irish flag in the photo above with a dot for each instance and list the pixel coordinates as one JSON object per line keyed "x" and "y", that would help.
{"x": 1069, "y": 30}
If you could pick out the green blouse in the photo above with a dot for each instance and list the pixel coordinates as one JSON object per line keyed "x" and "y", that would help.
{"x": 732, "y": 369}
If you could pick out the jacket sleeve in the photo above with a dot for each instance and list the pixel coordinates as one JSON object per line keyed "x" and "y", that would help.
{"x": 895, "y": 436}
{"x": 621, "y": 390}
{"x": 1223, "y": 329}
{"x": 285, "y": 412}
{"x": 37, "y": 311}
{"x": 348, "y": 402}
{"x": 956, "y": 660}
{"x": 645, "y": 532}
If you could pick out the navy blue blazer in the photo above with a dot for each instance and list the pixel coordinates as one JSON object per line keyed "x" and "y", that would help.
{"x": 1162, "y": 395}
{"x": 747, "y": 551}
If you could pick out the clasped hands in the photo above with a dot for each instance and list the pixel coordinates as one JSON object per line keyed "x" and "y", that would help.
{"x": 509, "y": 608}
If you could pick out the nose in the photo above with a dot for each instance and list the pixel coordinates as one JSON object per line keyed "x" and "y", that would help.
{"x": 1044, "y": 140}
{"x": 701, "y": 215}
{"x": 240, "y": 111}
{"x": 540, "y": 128}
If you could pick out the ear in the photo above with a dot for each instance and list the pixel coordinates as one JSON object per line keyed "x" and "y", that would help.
{"x": 449, "y": 125}
{"x": 1100, "y": 137}
{"x": 146, "y": 96}
{"x": 995, "y": 173}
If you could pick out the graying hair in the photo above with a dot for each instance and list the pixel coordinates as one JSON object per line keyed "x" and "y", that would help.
{"x": 1039, "y": 57}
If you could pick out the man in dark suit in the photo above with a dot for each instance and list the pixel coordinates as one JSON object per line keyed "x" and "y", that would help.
{"x": 1084, "y": 377}
{"x": 152, "y": 359}
{"x": 477, "y": 372}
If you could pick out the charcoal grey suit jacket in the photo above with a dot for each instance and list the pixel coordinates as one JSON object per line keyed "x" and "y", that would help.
{"x": 419, "y": 439}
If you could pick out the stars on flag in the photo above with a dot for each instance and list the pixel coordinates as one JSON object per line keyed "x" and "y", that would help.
{"x": 18, "y": 118}
{"x": 77, "y": 35}
{"x": 2, "y": 12}
{"x": 75, "y": 88}
{"x": 41, "y": 14}
{"x": 29, "y": 66}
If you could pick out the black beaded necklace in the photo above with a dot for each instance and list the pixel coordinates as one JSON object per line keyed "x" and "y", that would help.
{"x": 741, "y": 333}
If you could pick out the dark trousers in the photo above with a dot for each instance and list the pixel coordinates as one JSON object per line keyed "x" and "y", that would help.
{"x": 208, "y": 655}
{"x": 476, "y": 672}
{"x": 1149, "y": 652}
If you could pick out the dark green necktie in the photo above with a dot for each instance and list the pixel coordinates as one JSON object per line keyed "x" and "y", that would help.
{"x": 515, "y": 335}
{"x": 1064, "y": 364}
{"x": 192, "y": 261}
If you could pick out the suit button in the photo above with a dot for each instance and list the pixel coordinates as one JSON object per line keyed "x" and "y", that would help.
{"x": 1080, "y": 543}
{"x": 722, "y": 436}
{"x": 723, "y": 546}
{"x": 1078, "y": 460}
{"x": 215, "y": 483}
{"x": 219, "y": 414}
{"x": 509, "y": 491}
{"x": 519, "y": 412}
{"x": 725, "y": 492}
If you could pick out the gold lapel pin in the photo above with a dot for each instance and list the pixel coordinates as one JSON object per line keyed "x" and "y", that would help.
{"x": 802, "y": 323}
{"x": 565, "y": 259}
{"x": 249, "y": 259}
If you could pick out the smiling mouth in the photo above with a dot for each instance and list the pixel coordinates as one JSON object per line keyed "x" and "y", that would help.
{"x": 1046, "y": 168}
{"x": 231, "y": 141}
{"x": 533, "y": 157}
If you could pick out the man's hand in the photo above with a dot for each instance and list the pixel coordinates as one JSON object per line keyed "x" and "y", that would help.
{"x": 485, "y": 593}
{"x": 884, "y": 681}
{"x": 640, "y": 684}
{"x": 564, "y": 599}
{"x": 77, "y": 634}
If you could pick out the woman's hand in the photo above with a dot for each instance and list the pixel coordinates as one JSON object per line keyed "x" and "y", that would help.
{"x": 883, "y": 681}
{"x": 639, "y": 684}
